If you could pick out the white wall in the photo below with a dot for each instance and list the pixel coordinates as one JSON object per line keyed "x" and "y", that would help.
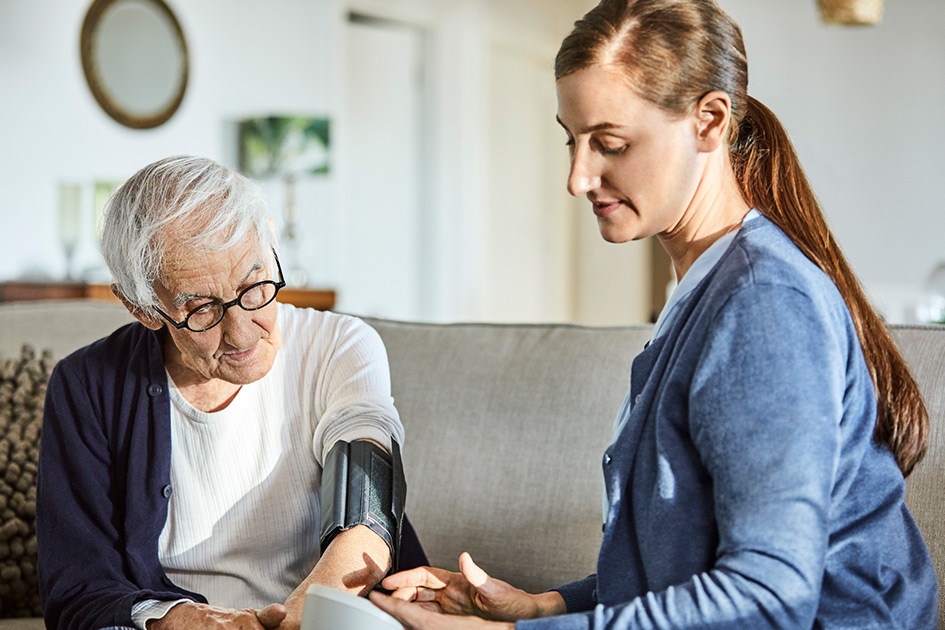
{"x": 863, "y": 106}
{"x": 456, "y": 142}
{"x": 246, "y": 58}
{"x": 545, "y": 258}
{"x": 381, "y": 271}
{"x": 529, "y": 220}
{"x": 250, "y": 58}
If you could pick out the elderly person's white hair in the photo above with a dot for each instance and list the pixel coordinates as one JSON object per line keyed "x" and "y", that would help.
{"x": 177, "y": 203}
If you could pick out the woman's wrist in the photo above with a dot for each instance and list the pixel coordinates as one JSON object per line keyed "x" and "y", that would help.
{"x": 549, "y": 604}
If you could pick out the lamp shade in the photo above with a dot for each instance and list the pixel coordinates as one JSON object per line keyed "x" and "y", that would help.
{"x": 851, "y": 12}
{"x": 284, "y": 146}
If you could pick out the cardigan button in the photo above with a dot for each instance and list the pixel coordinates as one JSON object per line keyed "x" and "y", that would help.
{"x": 607, "y": 459}
{"x": 636, "y": 401}
{"x": 167, "y": 491}
{"x": 154, "y": 389}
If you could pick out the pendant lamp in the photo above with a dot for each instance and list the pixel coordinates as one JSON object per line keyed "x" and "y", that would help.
{"x": 851, "y": 12}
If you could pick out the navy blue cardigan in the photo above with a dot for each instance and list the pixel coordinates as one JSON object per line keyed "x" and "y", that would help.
{"x": 104, "y": 482}
{"x": 745, "y": 489}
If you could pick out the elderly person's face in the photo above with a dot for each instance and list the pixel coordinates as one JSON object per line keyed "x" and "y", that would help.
{"x": 243, "y": 346}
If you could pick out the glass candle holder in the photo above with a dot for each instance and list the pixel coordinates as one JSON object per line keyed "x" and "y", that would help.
{"x": 70, "y": 214}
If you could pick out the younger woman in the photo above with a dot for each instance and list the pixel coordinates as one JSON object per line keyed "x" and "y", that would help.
{"x": 756, "y": 475}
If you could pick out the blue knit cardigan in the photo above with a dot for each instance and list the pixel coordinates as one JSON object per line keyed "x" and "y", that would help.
{"x": 745, "y": 490}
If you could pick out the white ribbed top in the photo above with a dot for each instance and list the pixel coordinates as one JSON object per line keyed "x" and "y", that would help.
{"x": 242, "y": 525}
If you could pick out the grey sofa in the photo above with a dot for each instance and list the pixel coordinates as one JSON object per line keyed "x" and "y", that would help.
{"x": 506, "y": 425}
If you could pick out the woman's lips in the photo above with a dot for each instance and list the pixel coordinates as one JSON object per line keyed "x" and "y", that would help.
{"x": 240, "y": 356}
{"x": 604, "y": 209}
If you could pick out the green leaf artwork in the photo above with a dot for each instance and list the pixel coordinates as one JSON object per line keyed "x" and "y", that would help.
{"x": 284, "y": 146}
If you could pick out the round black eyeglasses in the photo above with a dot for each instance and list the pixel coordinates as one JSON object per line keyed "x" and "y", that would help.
{"x": 252, "y": 298}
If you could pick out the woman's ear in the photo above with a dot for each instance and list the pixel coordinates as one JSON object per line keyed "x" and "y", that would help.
{"x": 146, "y": 320}
{"x": 713, "y": 116}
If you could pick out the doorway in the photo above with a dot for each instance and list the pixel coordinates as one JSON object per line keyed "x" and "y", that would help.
{"x": 382, "y": 187}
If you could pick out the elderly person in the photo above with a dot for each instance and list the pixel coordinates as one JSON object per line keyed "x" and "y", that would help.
{"x": 195, "y": 465}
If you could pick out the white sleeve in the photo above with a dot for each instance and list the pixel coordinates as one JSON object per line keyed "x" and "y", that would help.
{"x": 148, "y": 609}
{"x": 354, "y": 392}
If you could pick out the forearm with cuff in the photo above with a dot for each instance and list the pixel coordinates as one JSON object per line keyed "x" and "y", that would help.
{"x": 151, "y": 610}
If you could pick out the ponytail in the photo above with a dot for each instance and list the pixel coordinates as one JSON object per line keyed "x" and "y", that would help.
{"x": 772, "y": 180}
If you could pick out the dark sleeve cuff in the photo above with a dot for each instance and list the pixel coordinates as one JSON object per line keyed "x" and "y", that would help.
{"x": 579, "y": 596}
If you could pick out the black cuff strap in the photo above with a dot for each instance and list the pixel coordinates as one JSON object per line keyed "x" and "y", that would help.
{"x": 363, "y": 485}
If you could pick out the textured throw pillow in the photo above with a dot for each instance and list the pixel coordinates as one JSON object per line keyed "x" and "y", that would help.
{"x": 22, "y": 392}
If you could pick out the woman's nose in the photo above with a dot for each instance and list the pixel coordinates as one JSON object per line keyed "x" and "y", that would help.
{"x": 582, "y": 179}
{"x": 238, "y": 328}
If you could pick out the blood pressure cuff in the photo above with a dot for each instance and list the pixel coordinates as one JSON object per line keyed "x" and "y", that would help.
{"x": 363, "y": 485}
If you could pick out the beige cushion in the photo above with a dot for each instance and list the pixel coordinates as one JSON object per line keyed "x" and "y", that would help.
{"x": 33, "y": 623}
{"x": 61, "y": 326}
{"x": 924, "y": 349}
{"x": 506, "y": 426}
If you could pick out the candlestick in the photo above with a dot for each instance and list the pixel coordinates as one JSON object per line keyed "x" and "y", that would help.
{"x": 70, "y": 212}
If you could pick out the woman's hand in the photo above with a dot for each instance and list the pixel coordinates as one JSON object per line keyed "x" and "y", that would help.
{"x": 470, "y": 592}
{"x": 413, "y": 617}
{"x": 195, "y": 616}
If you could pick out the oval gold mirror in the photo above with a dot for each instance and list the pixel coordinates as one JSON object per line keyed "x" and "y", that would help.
{"x": 135, "y": 60}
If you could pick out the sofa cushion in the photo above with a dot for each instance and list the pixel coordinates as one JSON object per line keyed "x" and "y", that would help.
{"x": 506, "y": 426}
{"x": 31, "y": 623}
{"x": 59, "y": 326}
{"x": 22, "y": 391}
{"x": 924, "y": 349}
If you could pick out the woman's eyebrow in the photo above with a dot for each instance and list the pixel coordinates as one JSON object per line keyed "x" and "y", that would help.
{"x": 256, "y": 267}
{"x": 182, "y": 298}
{"x": 604, "y": 126}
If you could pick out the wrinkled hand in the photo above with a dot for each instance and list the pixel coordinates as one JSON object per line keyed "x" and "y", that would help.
{"x": 414, "y": 617}
{"x": 195, "y": 616}
{"x": 470, "y": 592}
{"x": 294, "y": 606}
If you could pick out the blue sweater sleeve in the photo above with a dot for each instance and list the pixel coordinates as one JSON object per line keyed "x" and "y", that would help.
{"x": 81, "y": 578}
{"x": 579, "y": 596}
{"x": 764, "y": 411}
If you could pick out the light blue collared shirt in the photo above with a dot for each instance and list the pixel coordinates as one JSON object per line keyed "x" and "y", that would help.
{"x": 699, "y": 270}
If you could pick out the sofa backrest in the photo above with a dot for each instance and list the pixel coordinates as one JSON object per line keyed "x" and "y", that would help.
{"x": 506, "y": 427}
{"x": 60, "y": 326}
{"x": 924, "y": 350}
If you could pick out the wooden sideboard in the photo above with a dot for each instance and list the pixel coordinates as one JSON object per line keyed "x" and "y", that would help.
{"x": 321, "y": 299}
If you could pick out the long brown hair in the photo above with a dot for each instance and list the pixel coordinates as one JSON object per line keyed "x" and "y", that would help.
{"x": 674, "y": 52}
